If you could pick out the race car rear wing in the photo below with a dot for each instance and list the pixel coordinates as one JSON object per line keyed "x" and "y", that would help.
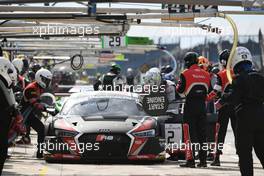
{"x": 67, "y": 90}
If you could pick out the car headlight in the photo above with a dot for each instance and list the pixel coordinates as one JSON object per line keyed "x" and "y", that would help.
{"x": 146, "y": 133}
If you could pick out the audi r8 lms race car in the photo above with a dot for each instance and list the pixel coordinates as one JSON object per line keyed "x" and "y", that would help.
{"x": 103, "y": 126}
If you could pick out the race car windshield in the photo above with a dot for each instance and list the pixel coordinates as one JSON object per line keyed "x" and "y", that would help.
{"x": 105, "y": 107}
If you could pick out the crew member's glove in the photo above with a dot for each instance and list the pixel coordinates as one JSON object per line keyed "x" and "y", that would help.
{"x": 18, "y": 125}
{"x": 218, "y": 104}
{"x": 33, "y": 100}
{"x": 211, "y": 96}
{"x": 36, "y": 103}
{"x": 40, "y": 106}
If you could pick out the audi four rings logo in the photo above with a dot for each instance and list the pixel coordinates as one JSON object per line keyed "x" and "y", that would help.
{"x": 104, "y": 130}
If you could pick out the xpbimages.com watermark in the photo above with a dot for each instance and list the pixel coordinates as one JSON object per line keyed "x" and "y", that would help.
{"x": 74, "y": 30}
{"x": 82, "y": 147}
{"x": 172, "y": 147}
{"x": 140, "y": 89}
{"x": 71, "y": 146}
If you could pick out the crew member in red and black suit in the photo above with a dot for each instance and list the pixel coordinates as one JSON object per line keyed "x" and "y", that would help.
{"x": 194, "y": 84}
{"x": 31, "y": 99}
{"x": 227, "y": 111}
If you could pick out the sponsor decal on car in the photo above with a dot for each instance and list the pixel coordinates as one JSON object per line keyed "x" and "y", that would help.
{"x": 102, "y": 137}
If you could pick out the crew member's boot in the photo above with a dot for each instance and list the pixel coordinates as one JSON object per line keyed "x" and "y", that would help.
{"x": 216, "y": 161}
{"x": 39, "y": 154}
{"x": 202, "y": 164}
{"x": 189, "y": 164}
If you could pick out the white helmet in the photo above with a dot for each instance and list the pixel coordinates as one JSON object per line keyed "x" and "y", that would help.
{"x": 153, "y": 77}
{"x": 14, "y": 75}
{"x": 48, "y": 99}
{"x": 7, "y": 72}
{"x": 43, "y": 78}
{"x": 129, "y": 70}
{"x": 242, "y": 54}
{"x": 18, "y": 63}
{"x": 154, "y": 69}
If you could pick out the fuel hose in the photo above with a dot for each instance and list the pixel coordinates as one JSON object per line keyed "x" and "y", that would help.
{"x": 235, "y": 41}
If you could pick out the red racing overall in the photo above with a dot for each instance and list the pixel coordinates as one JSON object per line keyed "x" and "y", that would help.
{"x": 194, "y": 84}
{"x": 21, "y": 84}
{"x": 31, "y": 96}
{"x": 225, "y": 113}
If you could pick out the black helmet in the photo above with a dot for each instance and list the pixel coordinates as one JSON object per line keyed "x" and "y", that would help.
{"x": 36, "y": 67}
{"x": 31, "y": 75}
{"x": 190, "y": 59}
{"x": 166, "y": 69}
{"x": 223, "y": 57}
{"x": 215, "y": 69}
{"x": 115, "y": 68}
{"x": 25, "y": 66}
{"x": 163, "y": 69}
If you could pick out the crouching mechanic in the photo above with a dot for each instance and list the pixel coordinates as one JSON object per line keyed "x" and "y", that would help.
{"x": 247, "y": 97}
{"x": 10, "y": 118}
{"x": 31, "y": 98}
{"x": 194, "y": 84}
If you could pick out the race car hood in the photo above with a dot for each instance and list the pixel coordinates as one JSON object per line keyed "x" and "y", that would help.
{"x": 99, "y": 124}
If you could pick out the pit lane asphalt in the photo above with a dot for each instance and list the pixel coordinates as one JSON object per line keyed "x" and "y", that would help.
{"x": 23, "y": 162}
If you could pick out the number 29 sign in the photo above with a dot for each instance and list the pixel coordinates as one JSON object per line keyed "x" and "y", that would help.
{"x": 109, "y": 42}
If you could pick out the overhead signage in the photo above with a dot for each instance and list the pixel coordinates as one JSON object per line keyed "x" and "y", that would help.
{"x": 111, "y": 42}
{"x": 254, "y": 9}
{"x": 176, "y": 8}
{"x": 139, "y": 41}
{"x": 253, "y": 5}
{"x": 108, "y": 57}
